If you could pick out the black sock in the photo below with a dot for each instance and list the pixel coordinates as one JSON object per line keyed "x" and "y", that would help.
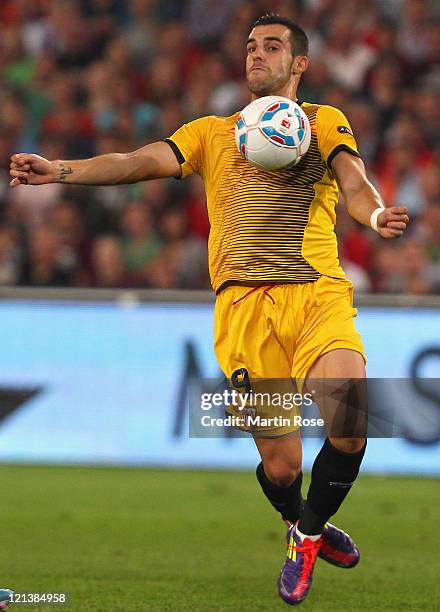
{"x": 333, "y": 474}
{"x": 287, "y": 500}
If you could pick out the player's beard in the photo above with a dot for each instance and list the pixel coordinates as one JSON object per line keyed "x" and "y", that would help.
{"x": 267, "y": 83}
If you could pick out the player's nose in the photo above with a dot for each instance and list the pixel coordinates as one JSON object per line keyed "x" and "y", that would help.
{"x": 258, "y": 54}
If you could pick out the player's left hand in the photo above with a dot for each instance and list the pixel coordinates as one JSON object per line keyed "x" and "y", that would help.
{"x": 392, "y": 222}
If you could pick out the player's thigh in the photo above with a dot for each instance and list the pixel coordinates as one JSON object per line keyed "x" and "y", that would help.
{"x": 331, "y": 357}
{"x": 329, "y": 327}
{"x": 338, "y": 363}
{"x": 338, "y": 384}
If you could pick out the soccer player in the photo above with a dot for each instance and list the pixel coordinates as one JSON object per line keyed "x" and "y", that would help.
{"x": 284, "y": 307}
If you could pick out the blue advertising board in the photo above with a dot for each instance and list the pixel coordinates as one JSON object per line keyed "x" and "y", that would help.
{"x": 100, "y": 383}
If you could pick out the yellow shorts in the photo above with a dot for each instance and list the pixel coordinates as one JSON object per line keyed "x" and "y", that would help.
{"x": 279, "y": 331}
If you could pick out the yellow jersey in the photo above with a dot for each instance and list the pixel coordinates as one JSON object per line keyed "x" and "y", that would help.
{"x": 267, "y": 227}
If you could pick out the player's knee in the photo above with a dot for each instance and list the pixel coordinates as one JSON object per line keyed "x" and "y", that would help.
{"x": 348, "y": 445}
{"x": 282, "y": 473}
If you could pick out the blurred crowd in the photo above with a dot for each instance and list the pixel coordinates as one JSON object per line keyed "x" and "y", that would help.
{"x": 85, "y": 77}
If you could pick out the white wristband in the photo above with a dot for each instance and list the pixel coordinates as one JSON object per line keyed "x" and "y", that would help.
{"x": 373, "y": 219}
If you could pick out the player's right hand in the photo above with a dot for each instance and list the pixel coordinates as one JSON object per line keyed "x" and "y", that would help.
{"x": 392, "y": 222}
{"x": 30, "y": 169}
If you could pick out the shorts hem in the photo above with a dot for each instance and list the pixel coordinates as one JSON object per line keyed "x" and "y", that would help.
{"x": 336, "y": 344}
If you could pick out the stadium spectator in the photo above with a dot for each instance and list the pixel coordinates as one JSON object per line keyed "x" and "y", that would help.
{"x": 195, "y": 207}
{"x": 66, "y": 221}
{"x": 107, "y": 265}
{"x": 182, "y": 262}
{"x": 347, "y": 57}
{"x": 140, "y": 243}
{"x": 47, "y": 264}
{"x": 10, "y": 258}
{"x": 399, "y": 177}
{"x": 415, "y": 273}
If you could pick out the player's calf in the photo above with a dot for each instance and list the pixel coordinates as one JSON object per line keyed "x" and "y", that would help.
{"x": 286, "y": 499}
{"x": 333, "y": 474}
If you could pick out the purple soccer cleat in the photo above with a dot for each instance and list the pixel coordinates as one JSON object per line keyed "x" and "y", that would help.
{"x": 338, "y": 548}
{"x": 296, "y": 576}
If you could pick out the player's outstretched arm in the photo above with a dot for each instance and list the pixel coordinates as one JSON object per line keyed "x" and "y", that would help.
{"x": 362, "y": 199}
{"x": 153, "y": 161}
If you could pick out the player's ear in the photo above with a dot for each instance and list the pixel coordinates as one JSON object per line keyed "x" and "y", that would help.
{"x": 300, "y": 64}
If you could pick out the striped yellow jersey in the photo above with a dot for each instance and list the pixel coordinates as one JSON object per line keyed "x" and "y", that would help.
{"x": 267, "y": 227}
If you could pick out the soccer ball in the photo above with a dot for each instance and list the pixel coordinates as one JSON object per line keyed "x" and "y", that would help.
{"x": 5, "y": 598}
{"x": 273, "y": 133}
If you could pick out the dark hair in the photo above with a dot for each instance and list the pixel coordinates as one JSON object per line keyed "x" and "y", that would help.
{"x": 299, "y": 41}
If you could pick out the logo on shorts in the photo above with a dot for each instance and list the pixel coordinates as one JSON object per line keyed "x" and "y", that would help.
{"x": 343, "y": 129}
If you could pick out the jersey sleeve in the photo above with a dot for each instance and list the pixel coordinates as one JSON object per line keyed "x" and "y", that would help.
{"x": 334, "y": 134}
{"x": 189, "y": 145}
